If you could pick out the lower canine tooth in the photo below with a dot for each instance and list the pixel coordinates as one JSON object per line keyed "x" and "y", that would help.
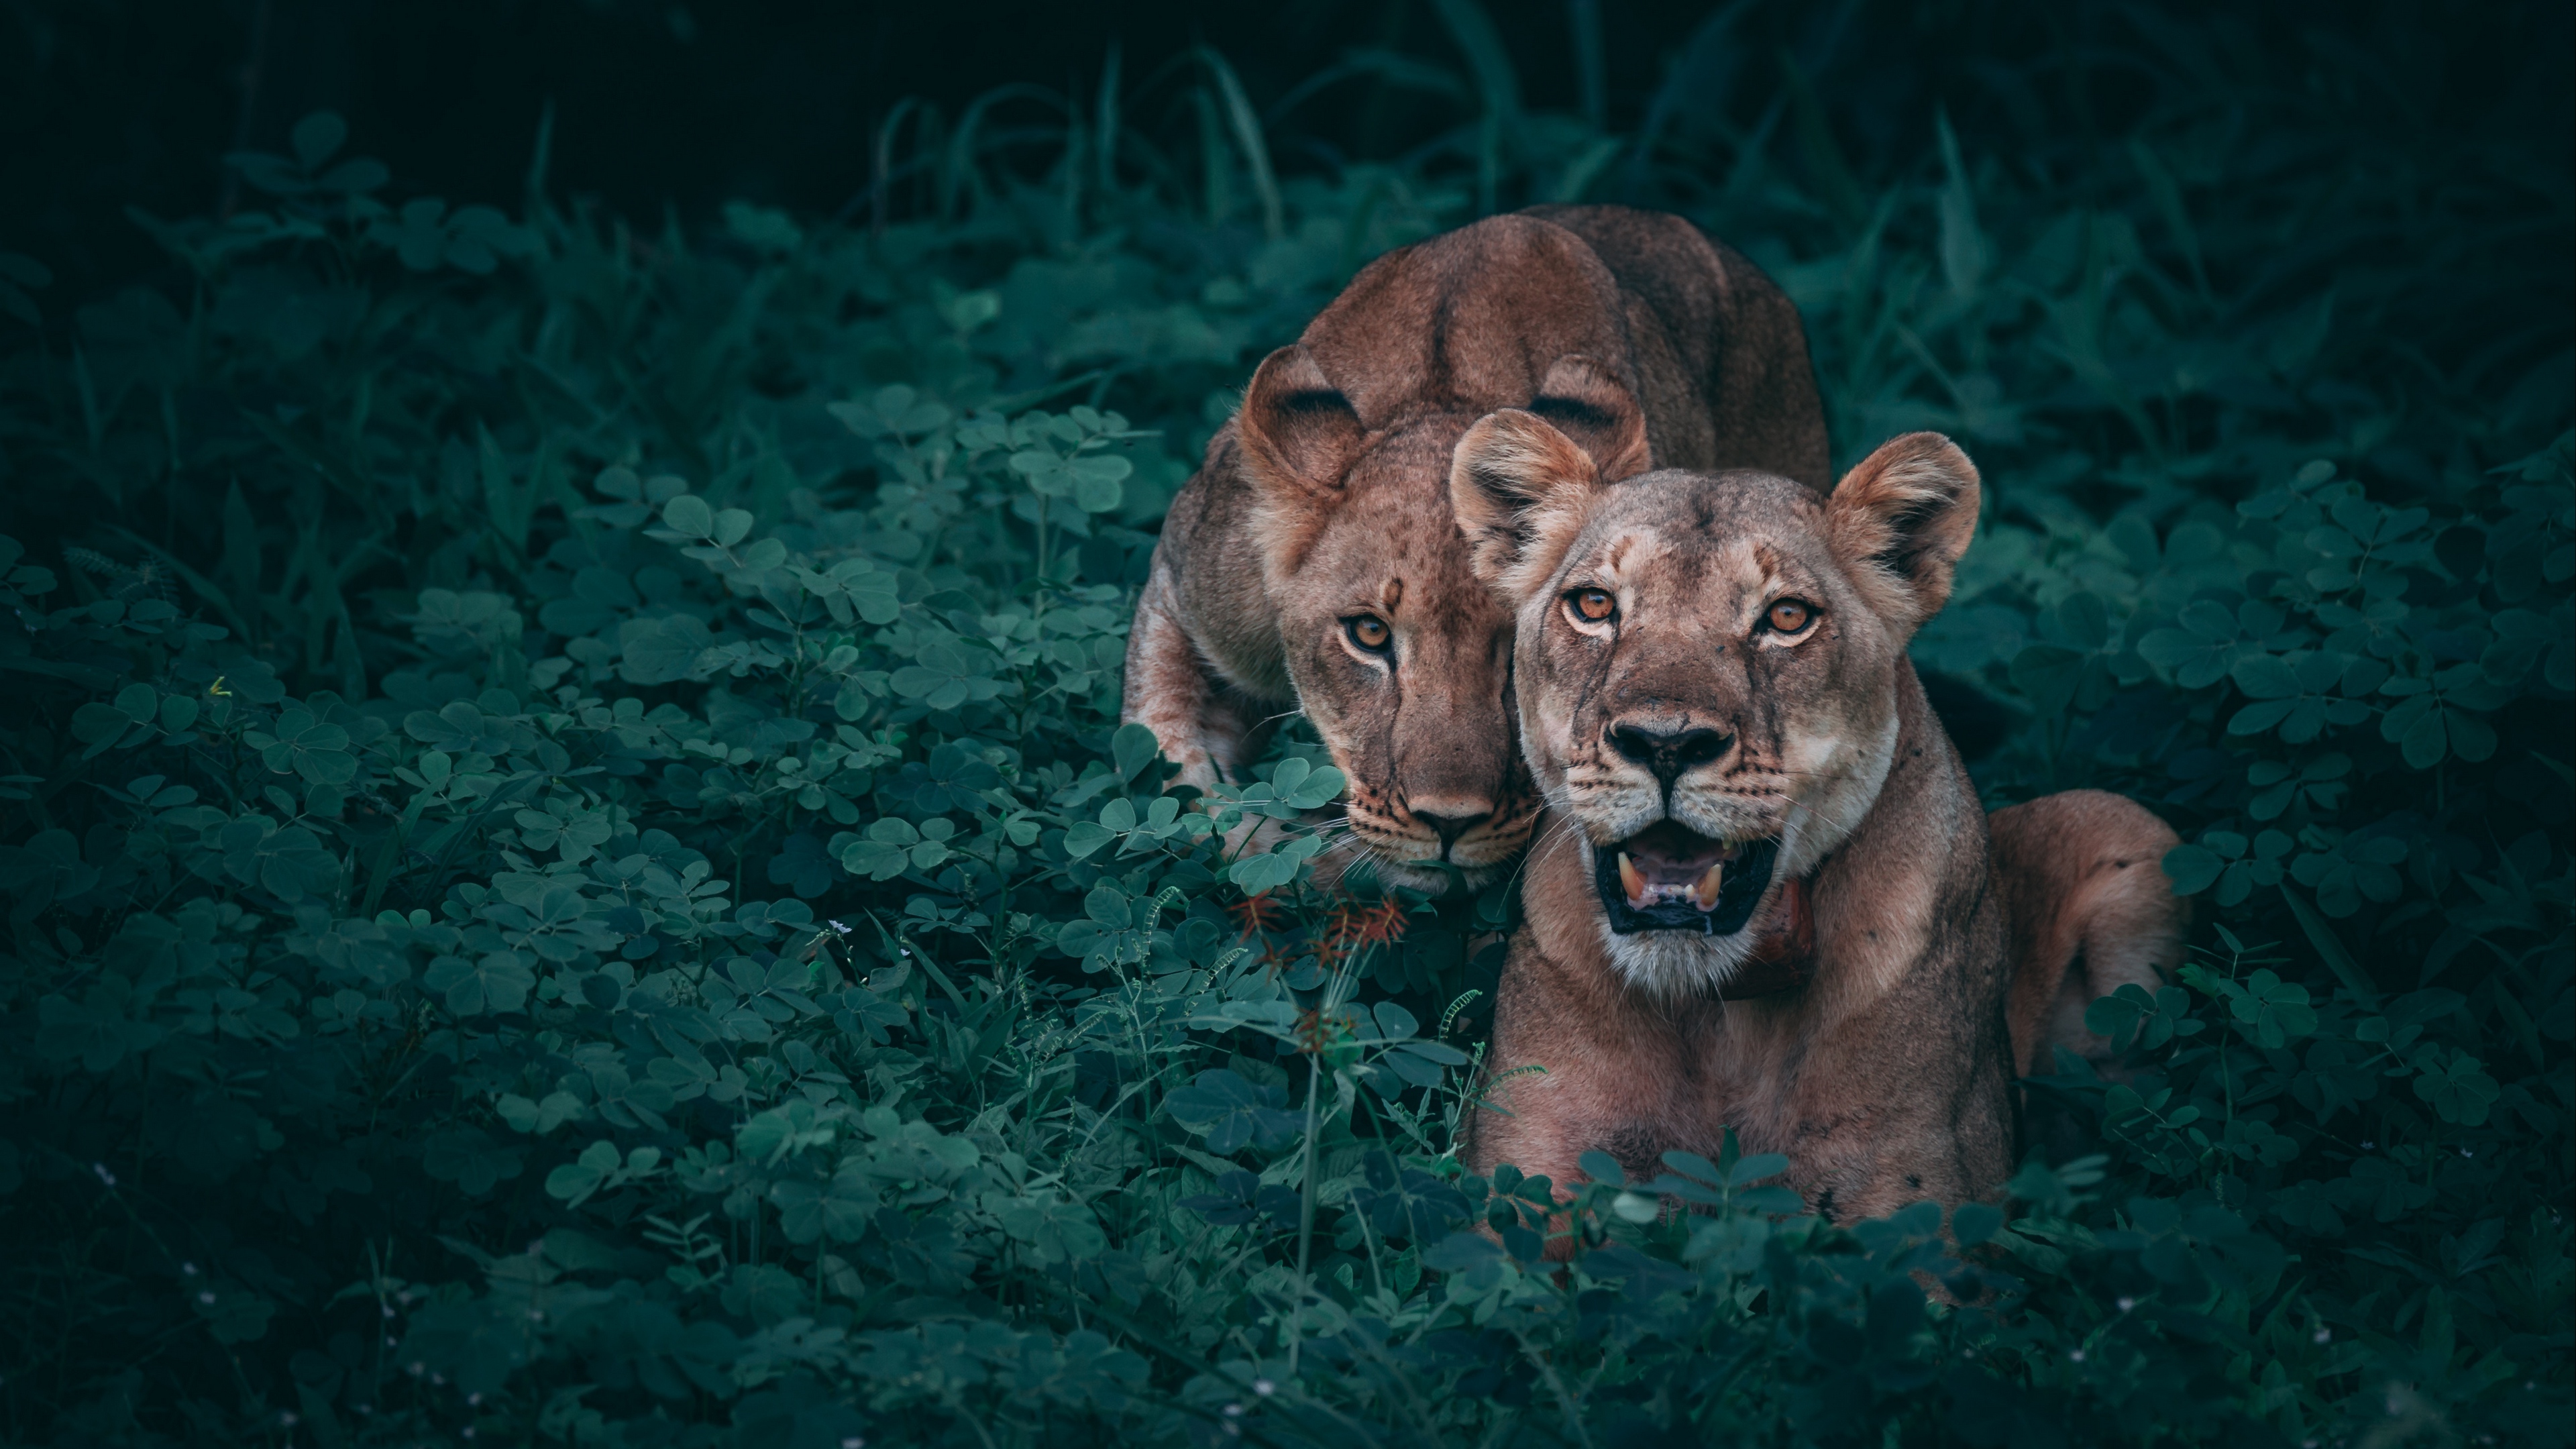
{"x": 1705, "y": 893}
{"x": 1633, "y": 883}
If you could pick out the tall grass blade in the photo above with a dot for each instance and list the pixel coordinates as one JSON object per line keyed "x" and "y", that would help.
{"x": 2330, "y": 948}
{"x": 1105, "y": 122}
{"x": 959, "y": 175}
{"x": 1964, "y": 248}
{"x": 1586, "y": 168}
{"x": 882, "y": 177}
{"x": 1216, "y": 163}
{"x": 1697, "y": 81}
{"x": 1591, "y": 72}
{"x": 541, "y": 157}
{"x": 1497, "y": 85}
{"x": 2166, "y": 193}
{"x": 203, "y": 587}
{"x": 963, "y": 175}
{"x": 241, "y": 558}
{"x": 1248, "y": 135}
{"x": 1827, "y": 170}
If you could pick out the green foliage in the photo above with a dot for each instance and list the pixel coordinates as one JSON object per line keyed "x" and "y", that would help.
{"x": 572, "y": 875}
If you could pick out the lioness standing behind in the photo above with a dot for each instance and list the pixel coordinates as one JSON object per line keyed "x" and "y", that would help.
{"x": 1772, "y": 904}
{"x": 1313, "y": 563}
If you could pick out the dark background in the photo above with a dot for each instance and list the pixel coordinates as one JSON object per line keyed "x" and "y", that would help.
{"x": 771, "y": 100}
{"x": 111, "y": 103}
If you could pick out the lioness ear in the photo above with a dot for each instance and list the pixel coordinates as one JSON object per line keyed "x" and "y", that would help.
{"x": 1299, "y": 433}
{"x": 1901, "y": 519}
{"x": 1519, "y": 488}
{"x": 1586, "y": 402}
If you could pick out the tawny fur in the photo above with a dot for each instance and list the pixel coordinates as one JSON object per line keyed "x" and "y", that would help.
{"x": 1942, "y": 962}
{"x": 2084, "y": 887}
{"x": 1327, "y": 496}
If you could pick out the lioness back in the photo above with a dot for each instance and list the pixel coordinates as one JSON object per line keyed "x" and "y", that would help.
{"x": 1313, "y": 561}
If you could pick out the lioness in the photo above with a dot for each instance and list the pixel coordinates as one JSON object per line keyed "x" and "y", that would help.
{"x": 1312, "y": 563}
{"x": 1767, "y": 898}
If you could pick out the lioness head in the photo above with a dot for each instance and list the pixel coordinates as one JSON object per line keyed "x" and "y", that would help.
{"x": 1399, "y": 655}
{"x": 1707, "y": 666}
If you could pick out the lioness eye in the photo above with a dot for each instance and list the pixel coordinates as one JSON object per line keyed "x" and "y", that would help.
{"x": 1594, "y": 605}
{"x": 1790, "y": 615}
{"x": 1369, "y": 632}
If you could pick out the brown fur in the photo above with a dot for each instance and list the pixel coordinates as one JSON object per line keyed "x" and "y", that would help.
{"x": 1326, "y": 497}
{"x": 1886, "y": 1079}
{"x": 2083, "y": 881}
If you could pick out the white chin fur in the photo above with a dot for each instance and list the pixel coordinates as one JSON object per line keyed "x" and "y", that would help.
{"x": 1675, "y": 963}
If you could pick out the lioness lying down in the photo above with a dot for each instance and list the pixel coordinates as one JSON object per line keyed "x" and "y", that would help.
{"x": 1765, "y": 896}
{"x": 1312, "y": 563}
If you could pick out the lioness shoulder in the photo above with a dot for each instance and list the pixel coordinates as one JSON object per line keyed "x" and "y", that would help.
{"x": 1313, "y": 562}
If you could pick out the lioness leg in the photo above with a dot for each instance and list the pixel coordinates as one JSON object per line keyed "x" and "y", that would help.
{"x": 2091, "y": 911}
{"x": 1543, "y": 1121}
{"x": 1204, "y": 725}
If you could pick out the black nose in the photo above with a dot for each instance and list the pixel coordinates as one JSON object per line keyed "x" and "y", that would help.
{"x": 1451, "y": 826}
{"x": 1669, "y": 753}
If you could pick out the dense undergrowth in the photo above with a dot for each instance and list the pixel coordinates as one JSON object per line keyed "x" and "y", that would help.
{"x": 572, "y": 877}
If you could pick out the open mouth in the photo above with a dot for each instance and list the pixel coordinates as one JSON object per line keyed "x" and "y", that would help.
{"x": 1669, "y": 877}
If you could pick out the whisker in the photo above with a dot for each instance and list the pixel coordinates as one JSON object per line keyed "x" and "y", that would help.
{"x": 1561, "y": 822}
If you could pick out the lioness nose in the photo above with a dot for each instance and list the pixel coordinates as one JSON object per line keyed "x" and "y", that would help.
{"x": 1452, "y": 826}
{"x": 1669, "y": 753}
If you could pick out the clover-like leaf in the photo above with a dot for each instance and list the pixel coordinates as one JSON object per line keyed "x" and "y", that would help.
{"x": 472, "y": 1159}
{"x": 689, "y": 516}
{"x": 1232, "y": 1113}
{"x": 1271, "y": 869}
{"x": 494, "y": 982}
{"x": 840, "y": 1208}
{"x": 2133, "y": 1016}
{"x": 1050, "y": 1229}
{"x": 2278, "y": 1011}
{"x": 802, "y": 865}
{"x": 944, "y": 677}
{"x": 1133, "y": 747}
{"x": 1097, "y": 480}
{"x": 663, "y": 650}
{"x": 2458, "y": 1087}
{"x": 599, "y": 1168}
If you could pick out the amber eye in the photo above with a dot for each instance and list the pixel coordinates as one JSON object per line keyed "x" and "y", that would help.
{"x": 1592, "y": 605}
{"x": 1369, "y": 632}
{"x": 1789, "y": 616}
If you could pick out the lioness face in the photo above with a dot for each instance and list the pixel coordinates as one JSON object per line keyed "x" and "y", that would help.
{"x": 1706, "y": 668}
{"x": 1400, "y": 654}
{"x": 1711, "y": 705}
{"x": 1402, "y": 660}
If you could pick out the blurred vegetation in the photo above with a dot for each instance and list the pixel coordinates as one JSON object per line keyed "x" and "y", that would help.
{"x": 571, "y": 876}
